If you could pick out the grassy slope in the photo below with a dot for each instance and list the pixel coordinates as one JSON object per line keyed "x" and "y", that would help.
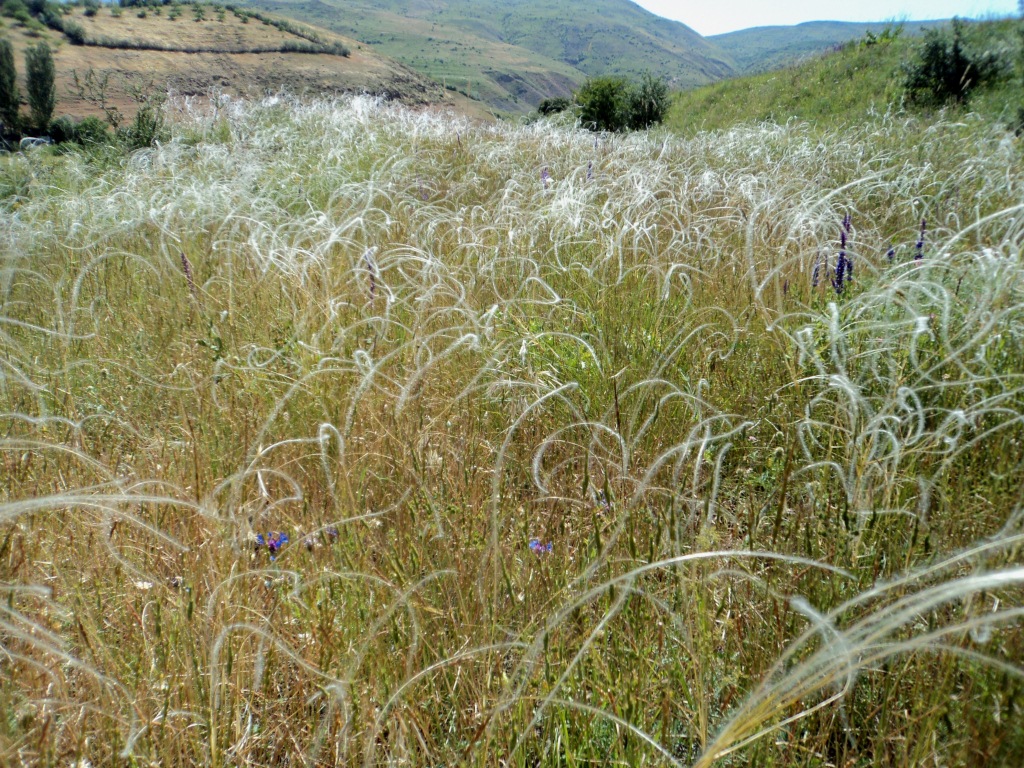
{"x": 841, "y": 87}
{"x": 761, "y": 49}
{"x": 423, "y": 344}
{"x": 513, "y": 55}
{"x": 229, "y": 69}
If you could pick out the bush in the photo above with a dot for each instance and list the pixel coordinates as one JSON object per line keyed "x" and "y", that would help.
{"x": 146, "y": 129}
{"x": 947, "y": 70}
{"x": 74, "y": 32}
{"x": 91, "y": 131}
{"x": 62, "y": 130}
{"x": 553, "y": 105}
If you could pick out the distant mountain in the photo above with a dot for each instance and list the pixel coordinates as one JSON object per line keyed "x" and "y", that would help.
{"x": 761, "y": 49}
{"x": 513, "y": 53}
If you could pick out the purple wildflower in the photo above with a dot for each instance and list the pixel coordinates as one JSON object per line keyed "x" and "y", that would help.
{"x": 331, "y": 532}
{"x": 841, "y": 267}
{"x": 545, "y": 176}
{"x": 186, "y": 267}
{"x": 371, "y": 267}
{"x": 539, "y": 548}
{"x": 920, "y": 243}
{"x": 590, "y": 170}
{"x": 844, "y": 235}
{"x": 891, "y": 253}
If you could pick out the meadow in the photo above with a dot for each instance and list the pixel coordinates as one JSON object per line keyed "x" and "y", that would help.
{"x": 338, "y": 433}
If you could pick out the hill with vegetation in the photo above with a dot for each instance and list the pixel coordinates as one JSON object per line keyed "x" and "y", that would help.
{"x": 514, "y": 54}
{"x": 130, "y": 53}
{"x": 862, "y": 78}
{"x": 761, "y": 49}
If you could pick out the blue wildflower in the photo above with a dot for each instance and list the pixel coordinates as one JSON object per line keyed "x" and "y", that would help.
{"x": 538, "y": 548}
{"x": 891, "y": 253}
{"x": 274, "y": 543}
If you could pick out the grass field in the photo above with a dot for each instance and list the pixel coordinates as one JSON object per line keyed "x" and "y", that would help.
{"x": 584, "y": 451}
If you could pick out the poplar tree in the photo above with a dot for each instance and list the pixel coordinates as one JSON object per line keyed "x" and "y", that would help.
{"x": 9, "y": 96}
{"x": 39, "y": 81}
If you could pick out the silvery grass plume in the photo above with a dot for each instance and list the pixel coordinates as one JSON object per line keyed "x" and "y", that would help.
{"x": 901, "y": 617}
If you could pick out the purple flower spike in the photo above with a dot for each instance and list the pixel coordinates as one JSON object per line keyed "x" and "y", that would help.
{"x": 920, "y": 243}
{"x": 539, "y": 548}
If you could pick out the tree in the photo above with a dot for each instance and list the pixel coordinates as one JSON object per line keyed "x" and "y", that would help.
{"x": 9, "y": 96}
{"x": 603, "y": 102}
{"x": 647, "y": 102}
{"x": 615, "y": 104}
{"x": 946, "y": 70}
{"x": 39, "y": 79}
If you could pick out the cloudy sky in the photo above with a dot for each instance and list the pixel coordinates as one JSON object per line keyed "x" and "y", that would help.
{"x": 711, "y": 17}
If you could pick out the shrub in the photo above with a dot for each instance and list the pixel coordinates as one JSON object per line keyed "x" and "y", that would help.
{"x": 91, "y": 131}
{"x": 553, "y": 105}
{"x": 146, "y": 129}
{"x": 947, "y": 70}
{"x": 74, "y": 32}
{"x": 62, "y": 130}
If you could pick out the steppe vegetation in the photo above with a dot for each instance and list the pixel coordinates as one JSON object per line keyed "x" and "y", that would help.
{"x": 338, "y": 433}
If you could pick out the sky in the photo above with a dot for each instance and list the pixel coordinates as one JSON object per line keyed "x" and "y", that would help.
{"x": 712, "y": 17}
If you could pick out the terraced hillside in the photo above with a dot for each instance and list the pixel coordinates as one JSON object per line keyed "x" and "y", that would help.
{"x": 193, "y": 50}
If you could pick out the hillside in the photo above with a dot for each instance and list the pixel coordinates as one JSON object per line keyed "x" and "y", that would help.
{"x": 860, "y": 79}
{"x": 514, "y": 54}
{"x": 193, "y": 51}
{"x": 761, "y": 49}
